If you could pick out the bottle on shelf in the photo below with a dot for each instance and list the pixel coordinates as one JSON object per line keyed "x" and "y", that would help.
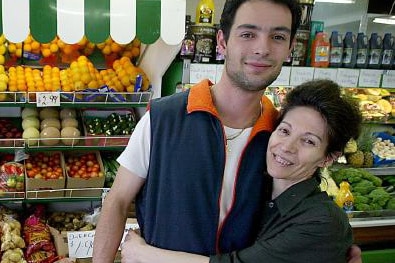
{"x": 345, "y": 198}
{"x": 388, "y": 51}
{"x": 336, "y": 50}
{"x": 188, "y": 43}
{"x": 349, "y": 50}
{"x": 205, "y": 12}
{"x": 375, "y": 49}
{"x": 362, "y": 51}
{"x": 320, "y": 50}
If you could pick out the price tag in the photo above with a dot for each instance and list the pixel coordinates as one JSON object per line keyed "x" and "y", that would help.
{"x": 301, "y": 74}
{"x": 202, "y": 71}
{"x": 325, "y": 73}
{"x": 388, "y": 79}
{"x": 80, "y": 243}
{"x": 48, "y": 99}
{"x": 283, "y": 78}
{"x": 370, "y": 78}
{"x": 347, "y": 78}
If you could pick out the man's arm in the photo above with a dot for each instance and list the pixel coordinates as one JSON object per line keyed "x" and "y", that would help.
{"x": 113, "y": 216}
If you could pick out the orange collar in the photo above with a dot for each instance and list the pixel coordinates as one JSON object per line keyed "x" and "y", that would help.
{"x": 200, "y": 100}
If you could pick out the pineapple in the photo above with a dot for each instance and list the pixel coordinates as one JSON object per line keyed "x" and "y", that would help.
{"x": 365, "y": 144}
{"x": 356, "y": 159}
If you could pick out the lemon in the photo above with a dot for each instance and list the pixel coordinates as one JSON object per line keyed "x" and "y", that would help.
{"x": 3, "y": 86}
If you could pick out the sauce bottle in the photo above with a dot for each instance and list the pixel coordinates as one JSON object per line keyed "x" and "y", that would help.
{"x": 320, "y": 50}
{"x": 362, "y": 51}
{"x": 188, "y": 43}
{"x": 336, "y": 50}
{"x": 388, "y": 52}
{"x": 345, "y": 198}
{"x": 375, "y": 49}
{"x": 205, "y": 11}
{"x": 349, "y": 50}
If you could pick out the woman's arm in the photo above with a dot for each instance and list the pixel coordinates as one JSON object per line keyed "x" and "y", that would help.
{"x": 135, "y": 250}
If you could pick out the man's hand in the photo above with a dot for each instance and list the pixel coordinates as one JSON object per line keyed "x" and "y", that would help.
{"x": 354, "y": 254}
{"x": 131, "y": 246}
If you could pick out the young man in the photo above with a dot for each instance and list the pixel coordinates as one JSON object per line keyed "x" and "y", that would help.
{"x": 196, "y": 159}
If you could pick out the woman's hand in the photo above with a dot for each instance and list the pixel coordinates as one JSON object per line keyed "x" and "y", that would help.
{"x": 354, "y": 255}
{"x": 131, "y": 247}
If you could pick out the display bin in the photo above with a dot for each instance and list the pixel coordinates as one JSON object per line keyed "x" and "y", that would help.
{"x": 46, "y": 188}
{"x": 84, "y": 187}
{"x": 101, "y": 139}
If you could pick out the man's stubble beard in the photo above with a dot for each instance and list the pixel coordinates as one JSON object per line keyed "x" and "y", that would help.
{"x": 241, "y": 80}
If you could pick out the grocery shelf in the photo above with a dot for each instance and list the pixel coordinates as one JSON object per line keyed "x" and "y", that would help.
{"x": 64, "y": 195}
{"x": 78, "y": 143}
{"x": 11, "y": 196}
{"x": 80, "y": 99}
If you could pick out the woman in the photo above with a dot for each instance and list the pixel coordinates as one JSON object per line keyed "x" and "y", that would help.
{"x": 301, "y": 223}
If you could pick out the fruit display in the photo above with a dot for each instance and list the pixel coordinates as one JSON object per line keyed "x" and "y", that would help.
{"x": 9, "y": 129}
{"x": 112, "y": 48}
{"x": 44, "y": 166}
{"x": 50, "y": 126}
{"x": 69, "y": 221}
{"x": 3, "y": 49}
{"x": 374, "y": 103}
{"x": 12, "y": 177}
{"x": 84, "y": 166}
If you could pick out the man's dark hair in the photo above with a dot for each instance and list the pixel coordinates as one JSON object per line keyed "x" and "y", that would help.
{"x": 231, "y": 7}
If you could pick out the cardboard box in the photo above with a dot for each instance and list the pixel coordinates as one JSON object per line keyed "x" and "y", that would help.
{"x": 80, "y": 187}
{"x": 46, "y": 188}
{"x": 102, "y": 139}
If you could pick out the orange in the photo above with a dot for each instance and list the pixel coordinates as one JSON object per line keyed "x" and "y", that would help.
{"x": 11, "y": 48}
{"x": 35, "y": 45}
{"x": 46, "y": 52}
{"x": 115, "y": 47}
{"x": 18, "y": 53}
{"x": 53, "y": 48}
{"x": 106, "y": 50}
{"x": 135, "y": 52}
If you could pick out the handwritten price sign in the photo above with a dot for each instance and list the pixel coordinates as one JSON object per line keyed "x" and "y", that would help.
{"x": 48, "y": 99}
{"x": 80, "y": 243}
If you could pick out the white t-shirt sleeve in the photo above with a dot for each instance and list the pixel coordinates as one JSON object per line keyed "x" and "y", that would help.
{"x": 135, "y": 157}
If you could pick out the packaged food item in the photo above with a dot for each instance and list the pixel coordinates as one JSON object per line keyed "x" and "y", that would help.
{"x": 362, "y": 51}
{"x": 320, "y": 50}
{"x": 349, "y": 50}
{"x": 345, "y": 198}
{"x": 205, "y": 11}
{"x": 336, "y": 50}
{"x": 375, "y": 50}
{"x": 388, "y": 51}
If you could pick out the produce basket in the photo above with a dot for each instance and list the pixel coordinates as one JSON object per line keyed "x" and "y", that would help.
{"x": 108, "y": 128}
{"x": 40, "y": 181}
{"x": 80, "y": 180}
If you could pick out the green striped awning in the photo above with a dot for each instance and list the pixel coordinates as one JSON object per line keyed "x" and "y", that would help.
{"x": 123, "y": 20}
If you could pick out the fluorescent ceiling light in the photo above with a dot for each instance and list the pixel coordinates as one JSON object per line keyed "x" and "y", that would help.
{"x": 389, "y": 20}
{"x": 337, "y": 1}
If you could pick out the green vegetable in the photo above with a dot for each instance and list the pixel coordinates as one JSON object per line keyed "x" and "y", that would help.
{"x": 379, "y": 196}
{"x": 363, "y": 187}
{"x": 360, "y": 199}
{"x": 391, "y": 204}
